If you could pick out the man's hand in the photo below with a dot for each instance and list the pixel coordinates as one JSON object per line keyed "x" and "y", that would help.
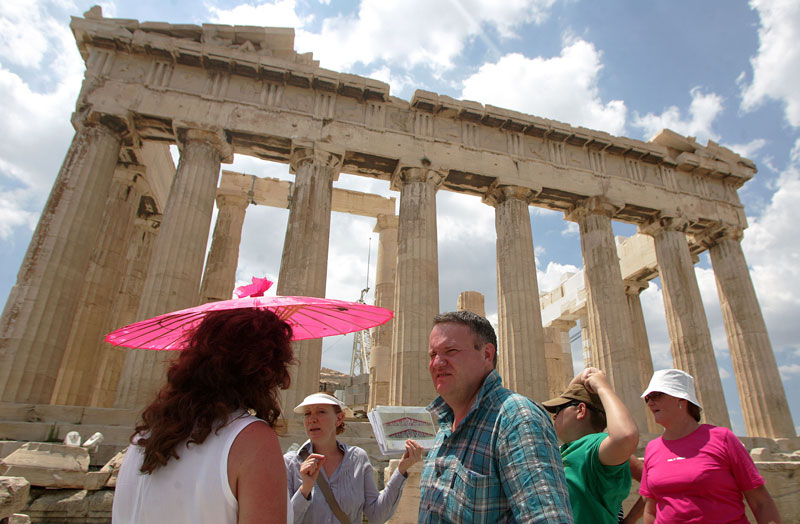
{"x": 593, "y": 379}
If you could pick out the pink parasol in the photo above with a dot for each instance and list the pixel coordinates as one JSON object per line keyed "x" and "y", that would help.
{"x": 310, "y": 317}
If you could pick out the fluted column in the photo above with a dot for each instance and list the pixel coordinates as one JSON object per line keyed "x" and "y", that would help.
{"x": 605, "y": 297}
{"x": 223, "y": 257}
{"x": 104, "y": 276}
{"x": 586, "y": 339}
{"x": 521, "y": 356}
{"x": 690, "y": 338}
{"x": 641, "y": 345}
{"x": 565, "y": 326}
{"x": 123, "y": 312}
{"x": 471, "y": 301}
{"x": 304, "y": 263}
{"x": 173, "y": 279}
{"x": 416, "y": 295}
{"x": 381, "y": 353}
{"x": 764, "y": 405}
{"x": 38, "y": 314}
{"x": 559, "y": 357}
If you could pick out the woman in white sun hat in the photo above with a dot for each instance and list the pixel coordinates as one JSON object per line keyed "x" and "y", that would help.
{"x": 323, "y": 464}
{"x": 696, "y": 472}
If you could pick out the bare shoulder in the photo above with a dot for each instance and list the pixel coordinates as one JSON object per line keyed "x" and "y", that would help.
{"x": 257, "y": 475}
{"x": 256, "y": 438}
{"x": 255, "y": 453}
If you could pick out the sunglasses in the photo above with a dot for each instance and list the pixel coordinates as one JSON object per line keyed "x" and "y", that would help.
{"x": 562, "y": 407}
{"x": 655, "y": 395}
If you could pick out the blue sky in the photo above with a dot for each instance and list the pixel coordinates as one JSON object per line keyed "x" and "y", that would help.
{"x": 723, "y": 70}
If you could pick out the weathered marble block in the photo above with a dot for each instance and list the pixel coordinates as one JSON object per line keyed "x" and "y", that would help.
{"x": 13, "y": 495}
{"x": 48, "y": 465}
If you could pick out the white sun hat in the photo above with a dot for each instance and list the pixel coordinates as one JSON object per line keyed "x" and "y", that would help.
{"x": 319, "y": 398}
{"x": 675, "y": 382}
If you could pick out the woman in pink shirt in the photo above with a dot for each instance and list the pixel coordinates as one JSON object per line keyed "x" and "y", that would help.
{"x": 696, "y": 472}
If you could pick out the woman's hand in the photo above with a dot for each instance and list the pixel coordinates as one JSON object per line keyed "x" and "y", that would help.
{"x": 410, "y": 457}
{"x": 309, "y": 471}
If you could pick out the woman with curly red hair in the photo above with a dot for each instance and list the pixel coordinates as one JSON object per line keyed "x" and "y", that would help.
{"x": 206, "y": 450}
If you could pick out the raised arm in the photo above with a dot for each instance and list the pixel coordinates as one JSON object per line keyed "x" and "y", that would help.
{"x": 257, "y": 475}
{"x": 379, "y": 506}
{"x": 623, "y": 434}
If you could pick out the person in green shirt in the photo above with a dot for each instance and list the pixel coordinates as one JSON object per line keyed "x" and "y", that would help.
{"x": 595, "y": 462}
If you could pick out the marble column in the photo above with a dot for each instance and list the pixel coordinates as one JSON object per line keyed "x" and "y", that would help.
{"x": 605, "y": 297}
{"x": 416, "y": 295}
{"x": 38, "y": 315}
{"x": 176, "y": 268}
{"x": 565, "y": 326}
{"x": 104, "y": 276}
{"x": 223, "y": 257}
{"x": 123, "y": 312}
{"x": 381, "y": 353}
{"x": 471, "y": 301}
{"x": 641, "y": 344}
{"x": 764, "y": 406}
{"x": 690, "y": 338}
{"x": 556, "y": 337}
{"x": 521, "y": 357}
{"x": 304, "y": 262}
{"x": 586, "y": 340}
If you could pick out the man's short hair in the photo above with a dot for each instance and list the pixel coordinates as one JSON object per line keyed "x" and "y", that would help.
{"x": 481, "y": 328}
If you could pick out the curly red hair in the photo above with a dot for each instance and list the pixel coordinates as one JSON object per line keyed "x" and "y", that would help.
{"x": 235, "y": 359}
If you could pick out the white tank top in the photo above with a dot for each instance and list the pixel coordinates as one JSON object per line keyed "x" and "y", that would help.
{"x": 193, "y": 489}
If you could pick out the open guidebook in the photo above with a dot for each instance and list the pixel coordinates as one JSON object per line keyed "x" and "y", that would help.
{"x": 392, "y": 425}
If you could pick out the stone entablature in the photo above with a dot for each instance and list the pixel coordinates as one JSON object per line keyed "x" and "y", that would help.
{"x": 241, "y": 79}
{"x": 265, "y": 191}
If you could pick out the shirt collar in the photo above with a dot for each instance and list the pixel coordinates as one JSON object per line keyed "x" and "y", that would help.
{"x": 444, "y": 413}
{"x": 309, "y": 447}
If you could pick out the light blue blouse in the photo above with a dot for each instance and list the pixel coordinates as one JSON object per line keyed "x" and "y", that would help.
{"x": 353, "y": 485}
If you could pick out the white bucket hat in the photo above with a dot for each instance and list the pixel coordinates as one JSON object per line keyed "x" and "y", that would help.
{"x": 319, "y": 398}
{"x": 675, "y": 382}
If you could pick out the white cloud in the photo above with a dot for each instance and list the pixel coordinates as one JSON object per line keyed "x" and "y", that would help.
{"x": 13, "y": 214}
{"x": 397, "y": 82}
{"x": 749, "y": 149}
{"x": 702, "y": 112}
{"x": 570, "y": 229}
{"x": 282, "y": 13}
{"x": 552, "y": 276}
{"x": 40, "y": 76}
{"x": 724, "y": 374}
{"x": 416, "y": 32}
{"x": 770, "y": 245}
{"x": 566, "y": 87}
{"x": 24, "y": 28}
{"x": 776, "y": 67}
{"x": 789, "y": 371}
{"x": 455, "y": 212}
{"x": 654, "y": 318}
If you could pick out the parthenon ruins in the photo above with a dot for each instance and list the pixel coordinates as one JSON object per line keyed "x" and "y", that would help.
{"x": 123, "y": 235}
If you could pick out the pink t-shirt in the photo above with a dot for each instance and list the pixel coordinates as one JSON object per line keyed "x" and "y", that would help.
{"x": 699, "y": 478}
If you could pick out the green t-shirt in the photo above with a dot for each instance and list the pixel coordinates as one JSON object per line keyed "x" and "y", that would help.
{"x": 595, "y": 490}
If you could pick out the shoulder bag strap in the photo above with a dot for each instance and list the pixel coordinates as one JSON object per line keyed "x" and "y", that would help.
{"x": 326, "y": 491}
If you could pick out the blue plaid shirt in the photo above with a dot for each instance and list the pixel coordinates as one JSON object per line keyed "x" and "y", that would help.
{"x": 502, "y": 463}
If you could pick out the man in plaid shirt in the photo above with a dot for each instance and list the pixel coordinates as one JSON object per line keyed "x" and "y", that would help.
{"x": 496, "y": 456}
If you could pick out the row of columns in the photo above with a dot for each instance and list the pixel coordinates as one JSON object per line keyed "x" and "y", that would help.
{"x": 63, "y": 288}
